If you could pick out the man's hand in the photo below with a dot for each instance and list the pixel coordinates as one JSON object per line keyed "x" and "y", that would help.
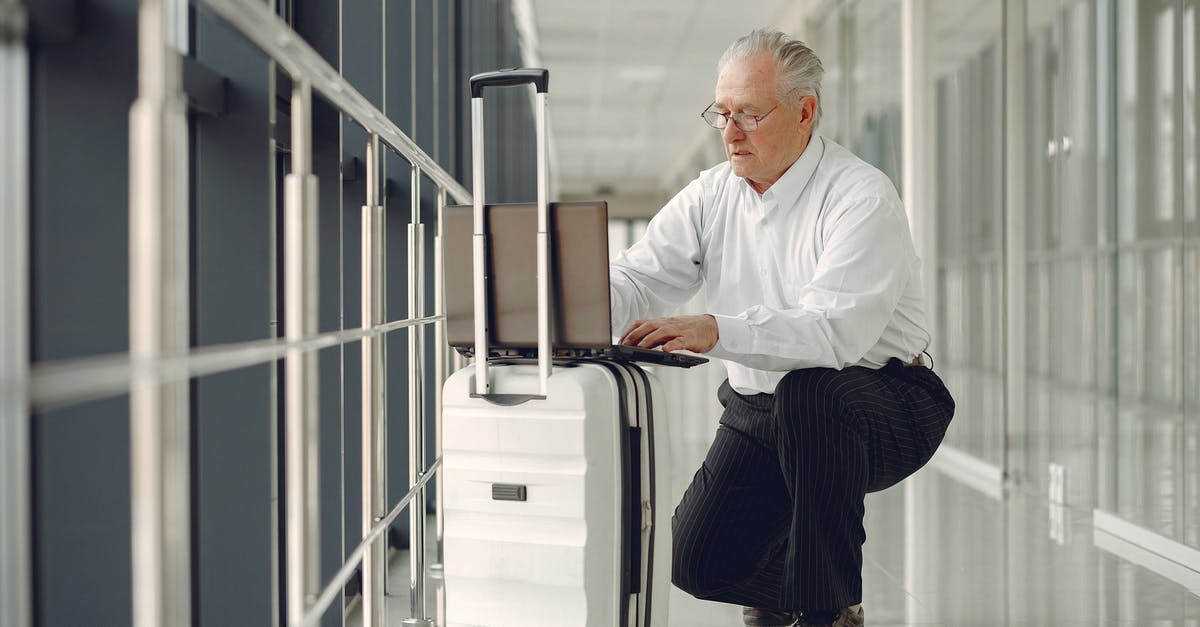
{"x": 694, "y": 333}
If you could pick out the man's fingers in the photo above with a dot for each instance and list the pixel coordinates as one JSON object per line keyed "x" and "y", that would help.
{"x": 658, "y": 336}
{"x": 674, "y": 345}
{"x": 634, "y": 333}
{"x": 637, "y": 334}
{"x": 695, "y": 333}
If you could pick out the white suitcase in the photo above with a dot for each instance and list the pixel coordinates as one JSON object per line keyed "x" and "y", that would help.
{"x": 556, "y": 510}
{"x": 555, "y": 479}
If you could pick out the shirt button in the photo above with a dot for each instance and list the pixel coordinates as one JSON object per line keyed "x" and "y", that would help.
{"x": 762, "y": 272}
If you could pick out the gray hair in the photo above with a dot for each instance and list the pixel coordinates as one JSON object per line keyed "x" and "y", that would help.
{"x": 799, "y": 68}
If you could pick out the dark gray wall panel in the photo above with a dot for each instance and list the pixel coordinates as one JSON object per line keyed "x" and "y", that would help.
{"x": 362, "y": 65}
{"x": 326, "y": 164}
{"x": 81, "y": 534}
{"x": 331, "y": 481}
{"x": 398, "y": 52}
{"x": 232, "y": 505}
{"x": 82, "y": 85}
{"x": 232, "y": 231}
{"x": 449, "y": 81}
{"x": 489, "y": 42}
{"x": 317, "y": 21}
{"x": 362, "y": 49}
{"x": 353, "y": 197}
{"x": 425, "y": 94}
{"x": 82, "y": 90}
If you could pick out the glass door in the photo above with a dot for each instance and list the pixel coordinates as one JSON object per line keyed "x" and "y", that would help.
{"x": 1153, "y": 444}
{"x": 1075, "y": 148}
{"x": 1065, "y": 199}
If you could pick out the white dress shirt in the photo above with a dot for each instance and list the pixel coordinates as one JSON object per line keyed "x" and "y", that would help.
{"x": 818, "y": 271}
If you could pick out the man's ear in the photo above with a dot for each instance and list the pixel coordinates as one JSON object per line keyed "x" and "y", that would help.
{"x": 808, "y": 110}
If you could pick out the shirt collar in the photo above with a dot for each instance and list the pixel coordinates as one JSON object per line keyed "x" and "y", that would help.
{"x": 786, "y": 191}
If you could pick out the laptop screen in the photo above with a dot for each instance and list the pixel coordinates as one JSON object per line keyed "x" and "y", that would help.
{"x": 579, "y": 275}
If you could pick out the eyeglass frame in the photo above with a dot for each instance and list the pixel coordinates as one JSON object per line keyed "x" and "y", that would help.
{"x": 735, "y": 117}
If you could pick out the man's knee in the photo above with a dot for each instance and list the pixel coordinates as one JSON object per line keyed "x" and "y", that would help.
{"x": 697, "y": 565}
{"x": 690, "y": 575}
{"x": 809, "y": 398}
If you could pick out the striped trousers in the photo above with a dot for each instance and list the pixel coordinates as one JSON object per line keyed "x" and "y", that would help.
{"x": 773, "y": 518}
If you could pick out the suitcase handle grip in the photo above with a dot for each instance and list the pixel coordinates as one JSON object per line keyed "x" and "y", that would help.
{"x": 540, "y": 78}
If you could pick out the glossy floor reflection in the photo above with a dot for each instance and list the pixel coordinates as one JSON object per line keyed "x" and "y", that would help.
{"x": 940, "y": 553}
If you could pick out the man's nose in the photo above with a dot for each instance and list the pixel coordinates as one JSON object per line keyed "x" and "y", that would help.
{"x": 731, "y": 131}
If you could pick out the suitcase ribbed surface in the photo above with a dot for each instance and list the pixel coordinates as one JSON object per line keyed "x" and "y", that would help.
{"x": 550, "y": 559}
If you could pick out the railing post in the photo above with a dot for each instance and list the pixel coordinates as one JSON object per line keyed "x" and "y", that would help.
{"x": 15, "y": 566}
{"x": 300, "y": 367}
{"x": 442, "y": 360}
{"x": 374, "y": 404}
{"x": 158, "y": 328}
{"x": 416, "y": 410}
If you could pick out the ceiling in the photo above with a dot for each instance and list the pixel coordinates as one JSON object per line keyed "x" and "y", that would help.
{"x": 629, "y": 79}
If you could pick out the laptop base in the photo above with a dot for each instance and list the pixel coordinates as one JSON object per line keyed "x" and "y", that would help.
{"x": 564, "y": 356}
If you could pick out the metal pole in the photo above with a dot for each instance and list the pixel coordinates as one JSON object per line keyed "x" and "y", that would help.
{"x": 917, "y": 150}
{"x": 543, "y": 249}
{"x": 416, "y": 410}
{"x": 300, "y": 367}
{"x": 440, "y": 349}
{"x": 158, "y": 328}
{"x": 374, "y": 406}
{"x": 273, "y": 331}
{"x": 479, "y": 250}
{"x": 15, "y": 566}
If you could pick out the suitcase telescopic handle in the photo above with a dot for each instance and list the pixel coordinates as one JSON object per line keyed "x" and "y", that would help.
{"x": 540, "y": 78}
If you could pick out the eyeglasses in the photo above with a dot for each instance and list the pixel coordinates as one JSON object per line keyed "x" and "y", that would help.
{"x": 744, "y": 121}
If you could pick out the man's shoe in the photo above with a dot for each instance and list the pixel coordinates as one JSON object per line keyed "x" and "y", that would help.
{"x": 754, "y": 617}
{"x": 849, "y": 617}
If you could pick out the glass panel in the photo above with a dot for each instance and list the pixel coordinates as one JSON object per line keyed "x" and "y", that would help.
{"x": 826, "y": 40}
{"x": 875, "y": 125}
{"x": 1029, "y": 427}
{"x": 1155, "y": 142}
{"x": 968, "y": 79}
{"x": 1191, "y": 281}
{"x": 1068, "y": 282}
{"x": 1073, "y": 254}
{"x": 1106, "y": 260}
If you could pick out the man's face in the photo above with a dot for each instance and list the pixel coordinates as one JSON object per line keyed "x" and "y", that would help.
{"x": 763, "y": 155}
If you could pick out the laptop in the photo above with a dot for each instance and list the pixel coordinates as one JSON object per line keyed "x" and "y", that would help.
{"x": 581, "y": 324}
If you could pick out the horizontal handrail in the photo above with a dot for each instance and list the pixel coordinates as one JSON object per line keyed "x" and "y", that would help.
{"x": 73, "y": 381}
{"x": 335, "y": 585}
{"x": 273, "y": 36}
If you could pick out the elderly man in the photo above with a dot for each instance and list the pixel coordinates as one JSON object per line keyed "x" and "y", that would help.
{"x": 816, "y": 307}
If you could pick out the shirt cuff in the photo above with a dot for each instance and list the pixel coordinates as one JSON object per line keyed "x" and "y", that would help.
{"x": 733, "y": 336}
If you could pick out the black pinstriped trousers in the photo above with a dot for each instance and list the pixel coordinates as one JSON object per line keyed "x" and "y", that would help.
{"x": 774, "y": 517}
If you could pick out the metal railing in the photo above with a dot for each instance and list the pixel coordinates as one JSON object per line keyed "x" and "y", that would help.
{"x": 160, "y": 362}
{"x": 15, "y": 504}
